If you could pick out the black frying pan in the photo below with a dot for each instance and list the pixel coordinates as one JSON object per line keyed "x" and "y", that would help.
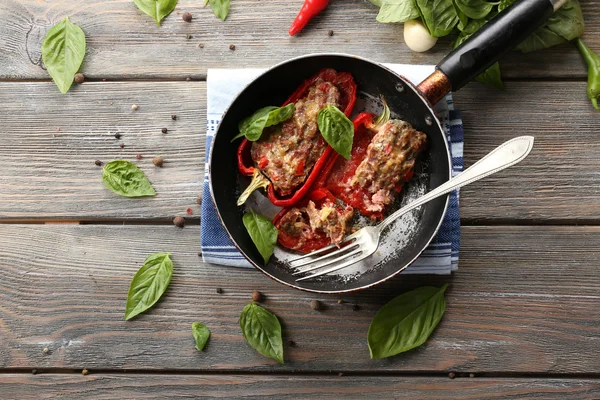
{"x": 407, "y": 238}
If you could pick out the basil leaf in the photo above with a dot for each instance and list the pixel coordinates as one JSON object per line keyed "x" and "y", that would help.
{"x": 219, "y": 7}
{"x": 505, "y": 4}
{"x": 201, "y": 335}
{"x": 336, "y": 129}
{"x": 63, "y": 49}
{"x": 406, "y": 322}
{"x": 157, "y": 9}
{"x": 463, "y": 20}
{"x": 149, "y": 284}
{"x": 475, "y": 9}
{"x": 262, "y": 232}
{"x": 567, "y": 22}
{"x": 564, "y": 25}
{"x": 492, "y": 76}
{"x": 253, "y": 126}
{"x": 377, "y": 3}
{"x": 125, "y": 178}
{"x": 440, "y": 16}
{"x": 262, "y": 331}
{"x": 398, "y": 11}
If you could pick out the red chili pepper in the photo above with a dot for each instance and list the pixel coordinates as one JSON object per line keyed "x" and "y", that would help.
{"x": 308, "y": 11}
{"x": 347, "y": 88}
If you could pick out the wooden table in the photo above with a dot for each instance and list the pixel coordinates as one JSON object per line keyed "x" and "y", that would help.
{"x": 523, "y": 315}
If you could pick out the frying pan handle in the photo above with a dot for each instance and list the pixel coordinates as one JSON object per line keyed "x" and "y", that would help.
{"x": 496, "y": 38}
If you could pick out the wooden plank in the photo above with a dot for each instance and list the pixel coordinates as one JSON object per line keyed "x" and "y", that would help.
{"x": 51, "y": 386}
{"x": 123, "y": 42}
{"x": 51, "y": 142}
{"x": 523, "y": 301}
{"x": 49, "y": 175}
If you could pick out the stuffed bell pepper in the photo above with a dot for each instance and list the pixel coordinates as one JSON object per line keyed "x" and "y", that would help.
{"x": 283, "y": 149}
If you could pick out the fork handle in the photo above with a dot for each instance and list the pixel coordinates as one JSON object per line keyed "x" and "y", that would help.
{"x": 503, "y": 156}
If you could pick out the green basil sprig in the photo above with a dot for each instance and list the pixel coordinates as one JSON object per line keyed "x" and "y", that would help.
{"x": 149, "y": 284}
{"x": 157, "y": 9}
{"x": 201, "y": 334}
{"x": 125, "y": 178}
{"x": 396, "y": 10}
{"x": 406, "y": 322}
{"x": 63, "y": 49}
{"x": 475, "y": 9}
{"x": 336, "y": 129}
{"x": 262, "y": 232}
{"x": 252, "y": 127}
{"x": 439, "y": 16}
{"x": 262, "y": 331}
{"x": 219, "y": 7}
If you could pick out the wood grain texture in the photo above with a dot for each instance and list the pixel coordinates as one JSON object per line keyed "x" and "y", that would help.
{"x": 55, "y": 139}
{"x": 50, "y": 174}
{"x": 55, "y": 386}
{"x": 523, "y": 301}
{"x": 123, "y": 42}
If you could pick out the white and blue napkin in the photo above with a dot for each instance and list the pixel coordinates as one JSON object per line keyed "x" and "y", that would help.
{"x": 441, "y": 257}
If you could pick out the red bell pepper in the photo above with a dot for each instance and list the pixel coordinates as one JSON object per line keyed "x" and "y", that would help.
{"x": 347, "y": 88}
{"x": 309, "y": 10}
{"x": 315, "y": 240}
{"x": 338, "y": 173}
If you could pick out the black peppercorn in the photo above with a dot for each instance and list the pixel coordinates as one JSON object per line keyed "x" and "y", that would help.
{"x": 315, "y": 304}
{"x": 173, "y": 117}
{"x": 179, "y": 222}
{"x": 330, "y": 33}
{"x": 158, "y": 161}
{"x": 232, "y": 47}
{"x": 79, "y": 78}
{"x": 292, "y": 343}
{"x": 164, "y": 130}
{"x": 219, "y": 290}
{"x": 451, "y": 375}
{"x": 355, "y": 307}
{"x": 122, "y": 145}
{"x": 117, "y": 135}
{"x": 98, "y": 163}
{"x": 187, "y": 16}
{"x": 257, "y": 296}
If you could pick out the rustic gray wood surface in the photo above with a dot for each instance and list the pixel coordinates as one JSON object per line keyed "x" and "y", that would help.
{"x": 522, "y": 312}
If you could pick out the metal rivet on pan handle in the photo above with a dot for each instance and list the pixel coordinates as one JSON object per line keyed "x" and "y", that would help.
{"x": 400, "y": 87}
{"x": 429, "y": 120}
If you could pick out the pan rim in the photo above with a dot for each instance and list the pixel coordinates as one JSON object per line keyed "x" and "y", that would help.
{"x": 337, "y": 291}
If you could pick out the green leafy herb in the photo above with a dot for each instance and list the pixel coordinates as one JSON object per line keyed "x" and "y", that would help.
{"x": 219, "y": 7}
{"x": 439, "y": 16}
{"x": 463, "y": 20}
{"x": 149, "y": 284}
{"x": 593, "y": 62}
{"x": 406, "y": 322}
{"x": 201, "y": 335}
{"x": 262, "y": 232}
{"x": 397, "y": 10}
{"x": 63, "y": 49}
{"x": 262, "y": 331}
{"x": 475, "y": 9}
{"x": 337, "y": 130}
{"x": 252, "y": 127}
{"x": 564, "y": 25}
{"x": 157, "y": 9}
{"x": 125, "y": 178}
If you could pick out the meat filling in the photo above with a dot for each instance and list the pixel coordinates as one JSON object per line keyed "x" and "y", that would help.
{"x": 390, "y": 157}
{"x": 287, "y": 152}
{"x": 310, "y": 222}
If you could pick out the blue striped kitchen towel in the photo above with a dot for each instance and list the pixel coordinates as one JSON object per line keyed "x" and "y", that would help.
{"x": 441, "y": 257}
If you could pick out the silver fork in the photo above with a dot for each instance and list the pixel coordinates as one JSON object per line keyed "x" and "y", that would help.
{"x": 365, "y": 241}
